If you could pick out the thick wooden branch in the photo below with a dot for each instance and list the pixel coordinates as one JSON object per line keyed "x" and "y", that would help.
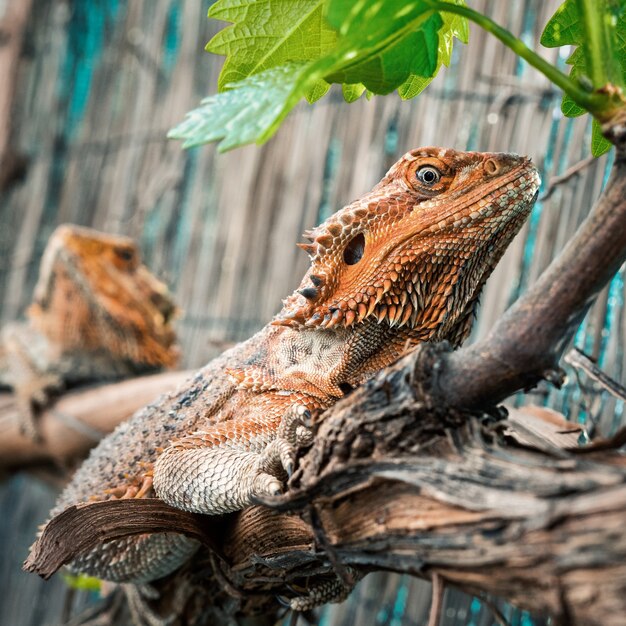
{"x": 412, "y": 487}
{"x": 78, "y": 419}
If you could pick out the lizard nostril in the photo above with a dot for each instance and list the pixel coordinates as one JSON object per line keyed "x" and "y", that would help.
{"x": 491, "y": 167}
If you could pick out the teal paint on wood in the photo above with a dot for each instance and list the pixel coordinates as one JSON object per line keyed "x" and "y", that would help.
{"x": 87, "y": 31}
{"x": 333, "y": 156}
{"x": 172, "y": 39}
{"x": 399, "y": 606}
{"x": 184, "y": 224}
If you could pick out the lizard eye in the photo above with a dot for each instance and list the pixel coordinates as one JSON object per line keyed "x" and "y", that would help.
{"x": 354, "y": 250}
{"x": 428, "y": 175}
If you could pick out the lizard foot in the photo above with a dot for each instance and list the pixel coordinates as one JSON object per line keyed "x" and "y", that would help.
{"x": 138, "y": 487}
{"x": 279, "y": 457}
{"x": 30, "y": 395}
{"x": 332, "y": 590}
{"x": 226, "y": 467}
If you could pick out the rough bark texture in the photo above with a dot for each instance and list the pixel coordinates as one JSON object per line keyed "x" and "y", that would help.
{"x": 409, "y": 486}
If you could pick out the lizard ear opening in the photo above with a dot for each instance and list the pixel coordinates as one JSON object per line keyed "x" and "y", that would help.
{"x": 353, "y": 252}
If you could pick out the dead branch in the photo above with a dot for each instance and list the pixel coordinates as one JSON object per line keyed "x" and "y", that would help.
{"x": 78, "y": 419}
{"x": 568, "y": 174}
{"x": 579, "y": 360}
{"x": 416, "y": 488}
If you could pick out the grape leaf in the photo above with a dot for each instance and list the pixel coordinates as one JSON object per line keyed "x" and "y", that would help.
{"x": 351, "y": 93}
{"x": 248, "y": 111}
{"x": 382, "y": 43}
{"x": 269, "y": 33}
{"x": 599, "y": 144}
{"x": 278, "y": 58}
{"x": 453, "y": 26}
{"x": 565, "y": 28}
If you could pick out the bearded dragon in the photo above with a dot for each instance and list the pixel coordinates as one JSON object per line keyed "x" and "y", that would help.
{"x": 97, "y": 314}
{"x": 403, "y": 264}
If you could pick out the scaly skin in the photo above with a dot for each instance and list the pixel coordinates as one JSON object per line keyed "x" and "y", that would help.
{"x": 401, "y": 265}
{"x": 97, "y": 314}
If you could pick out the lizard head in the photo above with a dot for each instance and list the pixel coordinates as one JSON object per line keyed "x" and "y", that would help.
{"x": 416, "y": 250}
{"x": 94, "y": 294}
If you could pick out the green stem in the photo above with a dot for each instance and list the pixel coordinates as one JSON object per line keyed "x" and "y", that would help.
{"x": 596, "y": 53}
{"x": 594, "y": 103}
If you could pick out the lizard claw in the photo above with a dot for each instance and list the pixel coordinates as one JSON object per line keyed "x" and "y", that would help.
{"x": 283, "y": 601}
{"x": 298, "y": 415}
{"x": 267, "y": 485}
{"x": 304, "y": 436}
{"x": 280, "y": 455}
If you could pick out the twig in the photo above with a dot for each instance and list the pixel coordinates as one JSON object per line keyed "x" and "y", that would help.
{"x": 437, "y": 600}
{"x": 577, "y": 168}
{"x": 218, "y": 571}
{"x": 579, "y": 360}
{"x": 497, "y": 614}
{"x": 78, "y": 418}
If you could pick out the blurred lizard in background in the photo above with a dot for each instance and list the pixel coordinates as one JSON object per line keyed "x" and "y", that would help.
{"x": 97, "y": 314}
{"x": 401, "y": 265}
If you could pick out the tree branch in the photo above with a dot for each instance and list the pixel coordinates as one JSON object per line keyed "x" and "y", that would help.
{"x": 78, "y": 419}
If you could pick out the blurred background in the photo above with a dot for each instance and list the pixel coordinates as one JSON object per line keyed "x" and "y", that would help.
{"x": 88, "y": 90}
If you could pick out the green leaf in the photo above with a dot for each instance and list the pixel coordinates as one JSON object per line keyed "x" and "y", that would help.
{"x": 82, "y": 582}
{"x": 596, "y": 27}
{"x": 453, "y": 26}
{"x": 567, "y": 27}
{"x": 351, "y": 93}
{"x": 382, "y": 43}
{"x": 270, "y": 33}
{"x": 599, "y": 145}
{"x": 280, "y": 52}
{"x": 564, "y": 28}
{"x": 249, "y": 111}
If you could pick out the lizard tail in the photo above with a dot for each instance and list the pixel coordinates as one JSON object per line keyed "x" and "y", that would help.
{"x": 137, "y": 559}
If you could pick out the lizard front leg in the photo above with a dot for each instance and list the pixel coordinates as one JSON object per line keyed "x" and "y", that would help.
{"x": 32, "y": 384}
{"x": 225, "y": 467}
